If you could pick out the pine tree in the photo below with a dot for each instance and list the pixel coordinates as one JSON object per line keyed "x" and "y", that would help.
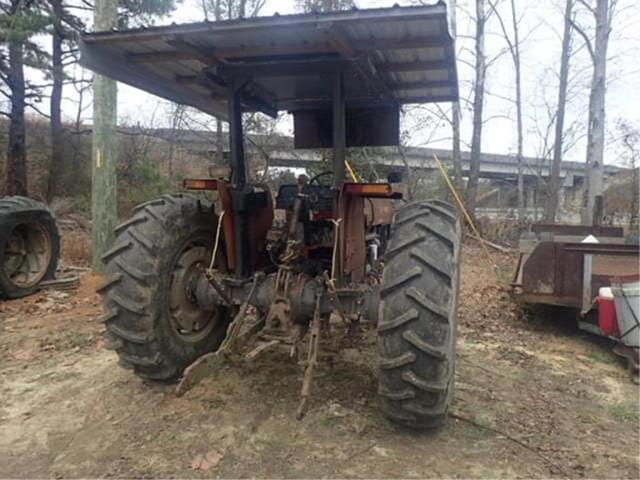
{"x": 20, "y": 20}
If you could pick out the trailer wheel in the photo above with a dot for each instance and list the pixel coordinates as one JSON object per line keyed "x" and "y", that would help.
{"x": 152, "y": 319}
{"x": 417, "y": 327}
{"x": 29, "y": 246}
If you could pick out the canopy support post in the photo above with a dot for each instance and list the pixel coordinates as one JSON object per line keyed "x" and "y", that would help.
{"x": 238, "y": 164}
{"x": 339, "y": 129}
{"x": 239, "y": 177}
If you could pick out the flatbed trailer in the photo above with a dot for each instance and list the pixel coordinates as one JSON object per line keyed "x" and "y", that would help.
{"x": 567, "y": 265}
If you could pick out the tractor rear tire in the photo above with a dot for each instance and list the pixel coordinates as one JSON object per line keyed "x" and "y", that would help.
{"x": 152, "y": 320}
{"x": 29, "y": 246}
{"x": 417, "y": 327}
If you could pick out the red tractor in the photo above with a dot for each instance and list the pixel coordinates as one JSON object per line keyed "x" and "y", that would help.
{"x": 182, "y": 272}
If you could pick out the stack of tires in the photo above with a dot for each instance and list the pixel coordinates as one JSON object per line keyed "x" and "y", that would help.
{"x": 29, "y": 246}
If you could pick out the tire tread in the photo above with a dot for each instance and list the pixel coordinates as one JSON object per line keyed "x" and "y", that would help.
{"x": 416, "y": 332}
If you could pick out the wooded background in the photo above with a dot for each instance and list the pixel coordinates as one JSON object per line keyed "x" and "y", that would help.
{"x": 47, "y": 156}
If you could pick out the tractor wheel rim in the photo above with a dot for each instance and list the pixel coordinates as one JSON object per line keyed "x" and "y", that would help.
{"x": 27, "y": 254}
{"x": 187, "y": 319}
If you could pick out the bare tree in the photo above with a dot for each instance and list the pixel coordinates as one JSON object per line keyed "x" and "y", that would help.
{"x": 478, "y": 104}
{"x": 57, "y": 75}
{"x": 63, "y": 27}
{"x": 513, "y": 43}
{"x": 631, "y": 142}
{"x": 602, "y": 13}
{"x": 324, "y": 5}
{"x": 177, "y": 121}
{"x": 228, "y": 9}
{"x": 456, "y": 157}
{"x": 553, "y": 190}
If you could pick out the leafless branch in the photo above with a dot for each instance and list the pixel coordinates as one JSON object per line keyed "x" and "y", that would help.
{"x": 587, "y": 6}
{"x": 585, "y": 37}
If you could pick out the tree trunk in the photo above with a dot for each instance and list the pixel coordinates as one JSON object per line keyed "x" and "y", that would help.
{"x": 595, "y": 140}
{"x": 104, "y": 196}
{"x": 516, "y": 64}
{"x": 554, "y": 187}
{"x": 455, "y": 118}
{"x": 57, "y": 134}
{"x": 16, "y": 148}
{"x": 478, "y": 103}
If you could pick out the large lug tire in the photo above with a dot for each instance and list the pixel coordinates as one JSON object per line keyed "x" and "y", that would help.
{"x": 417, "y": 327}
{"x": 29, "y": 246}
{"x": 151, "y": 317}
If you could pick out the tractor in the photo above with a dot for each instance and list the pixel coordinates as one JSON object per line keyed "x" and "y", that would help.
{"x": 183, "y": 271}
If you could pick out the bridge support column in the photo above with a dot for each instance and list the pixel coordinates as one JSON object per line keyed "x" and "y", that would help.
{"x": 530, "y": 196}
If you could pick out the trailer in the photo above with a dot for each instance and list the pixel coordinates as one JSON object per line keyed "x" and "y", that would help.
{"x": 589, "y": 270}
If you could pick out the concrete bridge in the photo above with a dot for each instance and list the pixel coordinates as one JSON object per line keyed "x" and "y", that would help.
{"x": 280, "y": 151}
{"x": 492, "y": 166}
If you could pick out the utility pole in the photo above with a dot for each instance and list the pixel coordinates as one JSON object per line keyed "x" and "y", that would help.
{"x": 104, "y": 182}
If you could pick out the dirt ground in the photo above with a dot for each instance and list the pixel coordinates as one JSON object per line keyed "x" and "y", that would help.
{"x": 534, "y": 398}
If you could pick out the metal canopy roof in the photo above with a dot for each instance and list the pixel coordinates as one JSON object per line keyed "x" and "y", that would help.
{"x": 392, "y": 55}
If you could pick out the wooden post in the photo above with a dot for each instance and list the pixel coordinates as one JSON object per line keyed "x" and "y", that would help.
{"x": 339, "y": 131}
{"x": 104, "y": 182}
{"x": 339, "y": 135}
{"x": 236, "y": 140}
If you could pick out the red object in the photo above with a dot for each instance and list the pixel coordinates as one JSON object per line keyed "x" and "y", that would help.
{"x": 607, "y": 318}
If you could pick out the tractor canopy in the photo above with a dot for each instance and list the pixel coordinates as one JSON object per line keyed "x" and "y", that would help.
{"x": 387, "y": 57}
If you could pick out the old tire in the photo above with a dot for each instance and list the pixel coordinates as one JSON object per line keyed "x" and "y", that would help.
{"x": 417, "y": 327}
{"x": 152, "y": 320}
{"x": 29, "y": 246}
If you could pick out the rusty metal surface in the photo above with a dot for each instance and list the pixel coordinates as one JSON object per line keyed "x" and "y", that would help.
{"x": 224, "y": 195}
{"x": 602, "y": 248}
{"x": 353, "y": 251}
{"x": 579, "y": 230}
{"x": 619, "y": 265}
{"x": 259, "y": 225}
{"x": 406, "y": 52}
{"x": 553, "y": 272}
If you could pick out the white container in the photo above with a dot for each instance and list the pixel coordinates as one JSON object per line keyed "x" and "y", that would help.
{"x": 627, "y": 299}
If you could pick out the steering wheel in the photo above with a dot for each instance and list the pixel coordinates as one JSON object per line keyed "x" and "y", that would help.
{"x": 321, "y": 174}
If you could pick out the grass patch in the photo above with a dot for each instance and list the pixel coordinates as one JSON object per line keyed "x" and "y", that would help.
{"x": 603, "y": 356}
{"x": 328, "y": 421}
{"x": 624, "y": 413}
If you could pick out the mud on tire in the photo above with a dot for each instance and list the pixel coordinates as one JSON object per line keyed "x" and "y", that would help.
{"x": 151, "y": 319}
{"x": 417, "y": 327}
{"x": 29, "y": 246}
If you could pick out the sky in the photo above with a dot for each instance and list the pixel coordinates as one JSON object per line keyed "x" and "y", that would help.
{"x": 541, "y": 28}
